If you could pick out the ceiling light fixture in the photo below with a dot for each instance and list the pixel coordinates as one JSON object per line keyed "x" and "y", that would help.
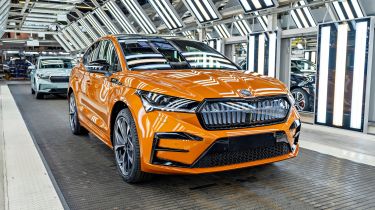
{"x": 120, "y": 17}
{"x": 203, "y": 10}
{"x": 139, "y": 15}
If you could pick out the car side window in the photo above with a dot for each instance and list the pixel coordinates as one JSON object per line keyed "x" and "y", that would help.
{"x": 102, "y": 54}
{"x": 86, "y": 57}
{"x": 103, "y": 50}
{"x": 112, "y": 58}
{"x": 95, "y": 53}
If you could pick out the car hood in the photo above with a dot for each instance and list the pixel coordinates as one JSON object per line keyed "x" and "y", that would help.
{"x": 54, "y": 72}
{"x": 201, "y": 84}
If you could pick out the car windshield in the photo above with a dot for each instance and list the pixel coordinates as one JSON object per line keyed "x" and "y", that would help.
{"x": 145, "y": 54}
{"x": 55, "y": 63}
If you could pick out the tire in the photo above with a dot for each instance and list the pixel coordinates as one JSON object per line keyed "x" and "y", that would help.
{"x": 75, "y": 125}
{"x": 302, "y": 99}
{"x": 39, "y": 95}
{"x": 126, "y": 149}
{"x": 32, "y": 91}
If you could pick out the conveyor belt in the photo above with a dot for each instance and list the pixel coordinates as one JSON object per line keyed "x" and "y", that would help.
{"x": 85, "y": 172}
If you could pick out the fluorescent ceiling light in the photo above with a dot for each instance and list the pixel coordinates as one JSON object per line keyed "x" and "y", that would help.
{"x": 4, "y": 11}
{"x": 263, "y": 21}
{"x": 62, "y": 44}
{"x": 94, "y": 36}
{"x": 167, "y": 13}
{"x": 139, "y": 15}
{"x": 53, "y": 6}
{"x": 71, "y": 40}
{"x": 203, "y": 10}
{"x": 120, "y": 17}
{"x": 302, "y": 16}
{"x": 68, "y": 1}
{"x": 33, "y": 23}
{"x": 47, "y": 20}
{"x": 188, "y": 34}
{"x": 254, "y": 5}
{"x": 81, "y": 35}
{"x": 67, "y": 44}
{"x": 76, "y": 37}
{"x": 107, "y": 21}
{"x": 48, "y": 11}
{"x": 346, "y": 9}
{"x": 42, "y": 16}
{"x": 242, "y": 25}
{"x": 222, "y": 31}
{"x": 91, "y": 19}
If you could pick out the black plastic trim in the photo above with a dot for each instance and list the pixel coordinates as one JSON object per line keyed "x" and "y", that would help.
{"x": 170, "y": 136}
{"x": 178, "y": 135}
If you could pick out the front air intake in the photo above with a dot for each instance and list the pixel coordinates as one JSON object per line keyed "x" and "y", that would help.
{"x": 215, "y": 114}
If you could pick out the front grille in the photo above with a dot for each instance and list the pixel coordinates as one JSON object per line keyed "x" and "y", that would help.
{"x": 239, "y": 113}
{"x": 59, "y": 79}
{"x": 228, "y": 158}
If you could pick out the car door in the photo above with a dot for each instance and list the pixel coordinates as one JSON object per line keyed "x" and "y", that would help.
{"x": 101, "y": 85}
{"x": 85, "y": 88}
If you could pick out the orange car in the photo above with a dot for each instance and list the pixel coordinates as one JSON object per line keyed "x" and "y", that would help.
{"x": 170, "y": 105}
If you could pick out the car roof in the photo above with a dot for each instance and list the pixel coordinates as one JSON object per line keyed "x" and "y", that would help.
{"x": 149, "y": 36}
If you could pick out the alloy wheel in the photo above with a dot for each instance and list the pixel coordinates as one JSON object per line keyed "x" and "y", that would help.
{"x": 300, "y": 100}
{"x": 72, "y": 112}
{"x": 123, "y": 146}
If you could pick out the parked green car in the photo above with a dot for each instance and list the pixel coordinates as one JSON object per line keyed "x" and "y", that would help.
{"x": 50, "y": 75}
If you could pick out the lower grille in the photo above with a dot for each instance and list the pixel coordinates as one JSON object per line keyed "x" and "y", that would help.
{"x": 59, "y": 79}
{"x": 242, "y": 149}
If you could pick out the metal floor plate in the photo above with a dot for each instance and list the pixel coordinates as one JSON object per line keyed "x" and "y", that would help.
{"x": 85, "y": 172}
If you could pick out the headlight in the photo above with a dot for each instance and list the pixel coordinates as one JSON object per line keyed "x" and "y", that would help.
{"x": 42, "y": 76}
{"x": 155, "y": 101}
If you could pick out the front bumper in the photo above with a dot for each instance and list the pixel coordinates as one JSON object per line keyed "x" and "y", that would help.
{"x": 46, "y": 86}
{"x": 176, "y": 142}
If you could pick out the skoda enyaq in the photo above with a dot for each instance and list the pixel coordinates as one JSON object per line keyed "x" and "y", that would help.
{"x": 50, "y": 76}
{"x": 170, "y": 105}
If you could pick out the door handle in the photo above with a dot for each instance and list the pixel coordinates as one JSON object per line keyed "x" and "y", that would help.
{"x": 115, "y": 81}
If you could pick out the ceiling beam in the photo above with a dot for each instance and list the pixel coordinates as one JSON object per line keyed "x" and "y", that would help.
{"x": 29, "y": 31}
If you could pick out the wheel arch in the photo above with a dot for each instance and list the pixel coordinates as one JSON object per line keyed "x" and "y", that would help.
{"x": 117, "y": 107}
{"x": 70, "y": 91}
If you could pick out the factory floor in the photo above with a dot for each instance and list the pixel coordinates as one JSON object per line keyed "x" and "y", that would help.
{"x": 44, "y": 166}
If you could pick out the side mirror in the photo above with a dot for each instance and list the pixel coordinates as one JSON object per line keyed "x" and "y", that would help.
{"x": 32, "y": 67}
{"x": 99, "y": 66}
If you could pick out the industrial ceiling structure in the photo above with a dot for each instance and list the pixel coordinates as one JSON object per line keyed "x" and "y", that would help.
{"x": 75, "y": 24}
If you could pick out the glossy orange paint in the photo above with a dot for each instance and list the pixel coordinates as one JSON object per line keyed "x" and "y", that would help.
{"x": 96, "y": 96}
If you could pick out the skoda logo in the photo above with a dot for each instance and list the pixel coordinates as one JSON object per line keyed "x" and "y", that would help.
{"x": 245, "y": 93}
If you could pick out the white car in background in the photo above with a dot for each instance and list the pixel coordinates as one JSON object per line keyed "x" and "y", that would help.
{"x": 50, "y": 75}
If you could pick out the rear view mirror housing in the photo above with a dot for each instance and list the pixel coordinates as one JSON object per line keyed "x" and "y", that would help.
{"x": 100, "y": 67}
